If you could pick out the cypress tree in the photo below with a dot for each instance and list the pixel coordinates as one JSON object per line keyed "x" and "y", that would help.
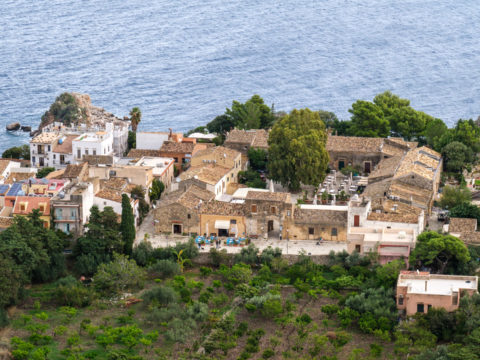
{"x": 127, "y": 226}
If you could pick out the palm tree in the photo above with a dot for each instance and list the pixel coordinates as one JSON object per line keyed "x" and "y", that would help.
{"x": 135, "y": 117}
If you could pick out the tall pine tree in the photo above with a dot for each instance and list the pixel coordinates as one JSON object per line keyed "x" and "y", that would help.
{"x": 127, "y": 226}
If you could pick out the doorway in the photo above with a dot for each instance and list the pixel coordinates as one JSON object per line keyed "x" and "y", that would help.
{"x": 356, "y": 220}
{"x": 341, "y": 164}
{"x": 368, "y": 167}
{"x": 41, "y": 162}
{"x": 177, "y": 228}
{"x": 270, "y": 225}
{"x": 222, "y": 232}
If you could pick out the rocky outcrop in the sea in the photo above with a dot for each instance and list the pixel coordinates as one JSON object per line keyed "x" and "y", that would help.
{"x": 75, "y": 109}
{"x": 13, "y": 126}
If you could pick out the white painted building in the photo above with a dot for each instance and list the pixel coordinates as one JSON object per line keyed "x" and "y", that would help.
{"x": 98, "y": 143}
{"x": 151, "y": 140}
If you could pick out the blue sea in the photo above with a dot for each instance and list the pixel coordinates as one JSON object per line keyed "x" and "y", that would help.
{"x": 183, "y": 62}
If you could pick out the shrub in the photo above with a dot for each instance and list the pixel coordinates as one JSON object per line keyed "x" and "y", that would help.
{"x": 238, "y": 273}
{"x": 216, "y": 283}
{"x": 248, "y": 255}
{"x": 164, "y": 268}
{"x": 341, "y": 338}
{"x": 269, "y": 254}
{"x": 198, "y": 311}
{"x": 272, "y": 308}
{"x": 143, "y": 253}
{"x": 376, "y": 350}
{"x": 205, "y": 271}
{"x": 218, "y": 257}
{"x": 160, "y": 295}
{"x": 71, "y": 292}
{"x": 119, "y": 276}
{"x": 268, "y": 353}
{"x": 330, "y": 309}
{"x": 185, "y": 295}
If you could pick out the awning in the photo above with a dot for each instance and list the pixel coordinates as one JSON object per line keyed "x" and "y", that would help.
{"x": 222, "y": 224}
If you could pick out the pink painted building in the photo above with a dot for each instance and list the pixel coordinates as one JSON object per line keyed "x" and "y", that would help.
{"x": 417, "y": 292}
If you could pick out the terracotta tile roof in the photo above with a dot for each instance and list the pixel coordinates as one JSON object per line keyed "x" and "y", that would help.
{"x": 18, "y": 176}
{"x": 57, "y": 174}
{"x": 255, "y": 138}
{"x": 471, "y": 237}
{"x": 320, "y": 216}
{"x": 138, "y": 153}
{"x": 377, "y": 189}
{"x": 45, "y": 138}
{"x": 30, "y": 203}
{"x": 98, "y": 159}
{"x": 223, "y": 208}
{"x": 219, "y": 151}
{"x": 354, "y": 144}
{"x": 170, "y": 147}
{"x": 3, "y": 165}
{"x": 411, "y": 193}
{"x": 386, "y": 168}
{"x": 390, "y": 150}
{"x": 268, "y": 196}
{"x": 115, "y": 183}
{"x": 6, "y": 222}
{"x": 66, "y": 146}
{"x": 462, "y": 225}
{"x": 109, "y": 194}
{"x": 189, "y": 198}
{"x": 74, "y": 171}
{"x": 421, "y": 161}
{"x": 208, "y": 173}
{"x": 403, "y": 214}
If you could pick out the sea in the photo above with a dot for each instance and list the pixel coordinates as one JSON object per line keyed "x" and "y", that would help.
{"x": 183, "y": 62}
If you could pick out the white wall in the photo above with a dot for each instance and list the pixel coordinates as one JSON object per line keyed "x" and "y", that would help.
{"x": 103, "y": 203}
{"x": 150, "y": 140}
{"x": 93, "y": 145}
{"x": 87, "y": 202}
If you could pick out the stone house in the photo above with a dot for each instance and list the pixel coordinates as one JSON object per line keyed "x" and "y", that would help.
{"x": 181, "y": 152}
{"x": 362, "y": 152}
{"x": 223, "y": 219}
{"x": 464, "y": 229}
{"x": 212, "y": 177}
{"x": 318, "y": 222}
{"x": 243, "y": 140}
{"x": 221, "y": 156}
{"x": 266, "y": 212}
{"x": 179, "y": 212}
{"x": 76, "y": 173}
{"x": 418, "y": 292}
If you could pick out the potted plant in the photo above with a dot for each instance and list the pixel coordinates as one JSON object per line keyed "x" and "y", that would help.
{"x": 324, "y": 197}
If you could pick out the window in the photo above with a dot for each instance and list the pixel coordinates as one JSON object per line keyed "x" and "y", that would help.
{"x": 400, "y": 299}
{"x": 94, "y": 152}
{"x": 176, "y": 160}
{"x": 429, "y": 306}
{"x": 23, "y": 207}
{"x": 357, "y": 248}
{"x": 455, "y": 298}
{"x": 254, "y": 208}
{"x": 86, "y": 151}
{"x": 273, "y": 210}
{"x": 33, "y": 159}
{"x": 288, "y": 213}
{"x": 42, "y": 207}
{"x": 311, "y": 231}
{"x": 48, "y": 147}
{"x": 334, "y": 231}
{"x": 189, "y": 216}
{"x": 233, "y": 221}
{"x": 54, "y": 156}
{"x": 79, "y": 153}
{"x": 420, "y": 308}
{"x": 73, "y": 214}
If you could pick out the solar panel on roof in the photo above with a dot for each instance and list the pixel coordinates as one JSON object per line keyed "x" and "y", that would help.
{"x": 16, "y": 187}
{"x": 4, "y": 188}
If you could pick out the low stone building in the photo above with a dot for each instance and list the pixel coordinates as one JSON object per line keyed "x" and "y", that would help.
{"x": 318, "y": 222}
{"x": 267, "y": 212}
{"x": 465, "y": 229}
{"x": 212, "y": 177}
{"x": 181, "y": 152}
{"x": 362, "y": 152}
{"x": 418, "y": 292}
{"x": 243, "y": 140}
{"x": 179, "y": 212}
{"x": 223, "y": 219}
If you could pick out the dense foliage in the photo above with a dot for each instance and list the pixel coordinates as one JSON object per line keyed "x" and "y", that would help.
{"x": 65, "y": 109}
{"x": 127, "y": 225}
{"x": 17, "y": 152}
{"x": 44, "y": 172}
{"x": 297, "y": 153}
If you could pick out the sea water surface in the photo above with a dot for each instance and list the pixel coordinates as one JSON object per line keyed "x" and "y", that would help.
{"x": 183, "y": 62}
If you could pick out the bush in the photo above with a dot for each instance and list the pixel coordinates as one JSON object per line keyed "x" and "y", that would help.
{"x": 269, "y": 254}
{"x": 272, "y": 308}
{"x": 248, "y": 255}
{"x": 239, "y": 273}
{"x": 330, "y": 309}
{"x": 205, "y": 271}
{"x": 218, "y": 257}
{"x": 164, "y": 269}
{"x": 143, "y": 253}
{"x": 71, "y": 292}
{"x": 341, "y": 338}
{"x": 160, "y": 295}
{"x": 198, "y": 311}
{"x": 119, "y": 276}
{"x": 268, "y": 353}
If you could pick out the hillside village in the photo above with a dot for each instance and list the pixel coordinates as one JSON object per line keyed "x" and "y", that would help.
{"x": 378, "y": 196}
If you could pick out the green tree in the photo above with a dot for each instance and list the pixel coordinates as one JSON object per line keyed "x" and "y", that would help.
{"x": 328, "y": 118}
{"x": 456, "y": 155}
{"x": 453, "y": 196}
{"x": 127, "y": 225}
{"x": 17, "y": 152}
{"x": 387, "y": 275}
{"x": 65, "y": 109}
{"x": 407, "y": 122}
{"x": 297, "y": 152}
{"x": 44, "y": 172}
{"x": 257, "y": 159}
{"x": 118, "y": 276}
{"x": 246, "y": 116}
{"x": 132, "y": 140}
{"x": 433, "y": 133}
{"x": 251, "y": 179}
{"x": 221, "y": 125}
{"x": 442, "y": 253}
{"x": 156, "y": 189}
{"x": 135, "y": 118}
{"x": 368, "y": 120}
{"x": 389, "y": 103}
{"x": 101, "y": 239}
{"x": 466, "y": 210}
